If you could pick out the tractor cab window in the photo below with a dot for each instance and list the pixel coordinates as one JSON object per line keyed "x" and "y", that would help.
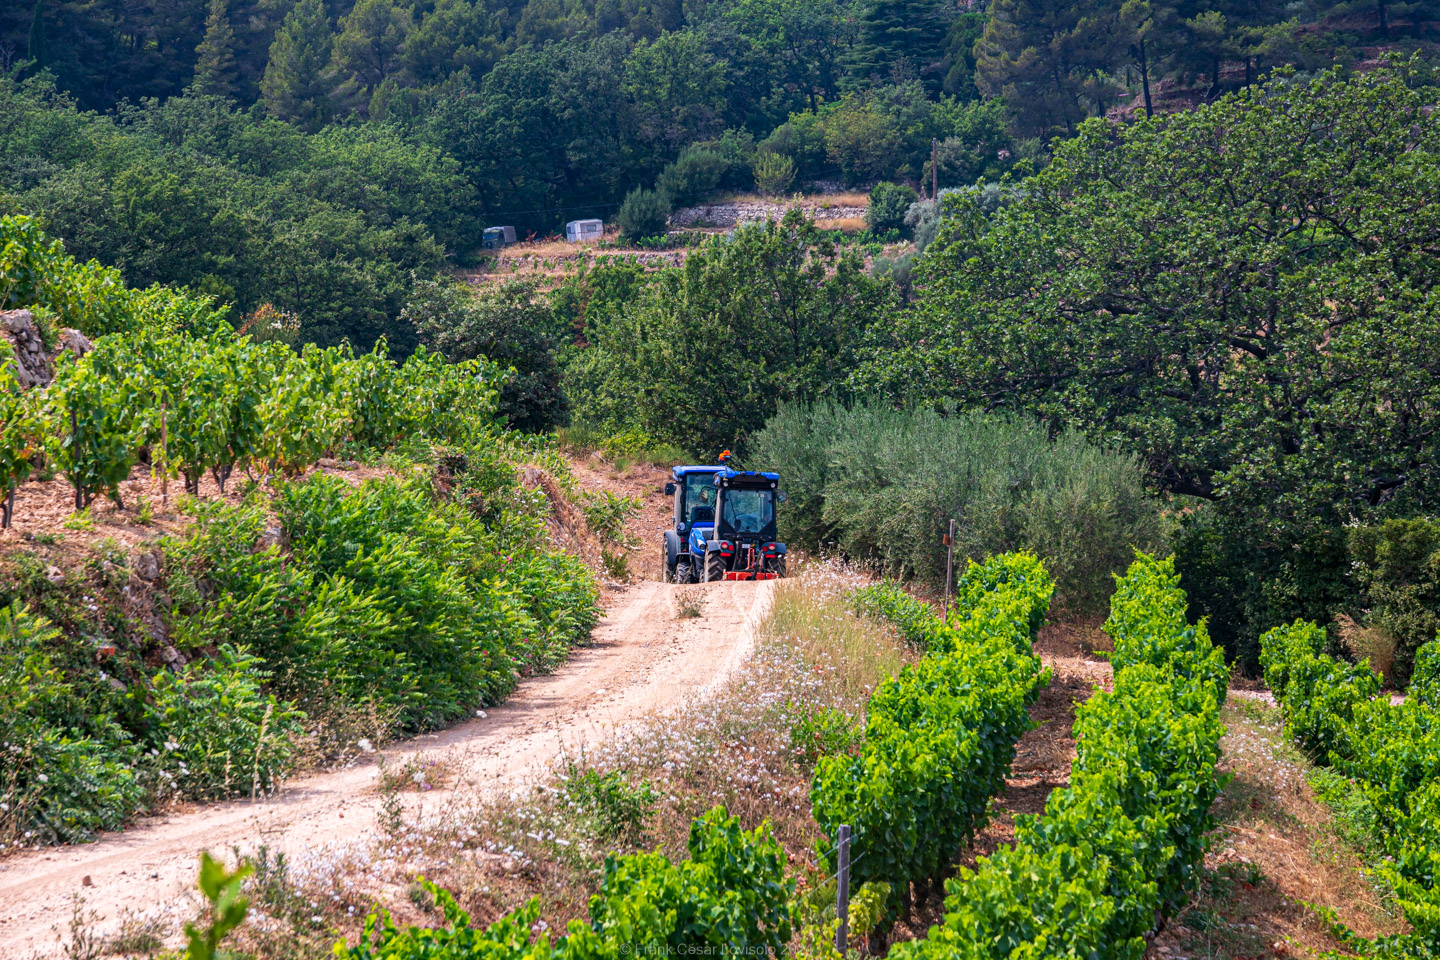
{"x": 699, "y": 503}
{"x": 749, "y": 511}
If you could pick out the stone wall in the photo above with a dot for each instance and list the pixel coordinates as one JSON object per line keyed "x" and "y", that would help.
{"x": 32, "y": 361}
{"x": 730, "y": 214}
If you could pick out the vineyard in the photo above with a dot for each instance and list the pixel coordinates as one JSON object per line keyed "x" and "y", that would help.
{"x": 169, "y": 380}
{"x": 1114, "y": 853}
{"x": 285, "y": 620}
{"x": 1389, "y": 753}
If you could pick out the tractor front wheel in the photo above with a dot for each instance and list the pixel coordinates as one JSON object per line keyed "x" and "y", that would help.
{"x": 683, "y": 572}
{"x": 714, "y": 566}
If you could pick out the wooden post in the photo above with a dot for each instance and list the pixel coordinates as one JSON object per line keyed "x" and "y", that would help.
{"x": 934, "y": 169}
{"x": 949, "y": 565}
{"x": 842, "y": 892}
{"x": 74, "y": 429}
{"x": 164, "y": 459}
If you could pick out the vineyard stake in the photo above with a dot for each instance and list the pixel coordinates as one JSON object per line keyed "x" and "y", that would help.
{"x": 74, "y": 429}
{"x": 164, "y": 459}
{"x": 842, "y": 892}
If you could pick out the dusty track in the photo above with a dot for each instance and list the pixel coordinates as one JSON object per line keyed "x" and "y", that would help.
{"x": 641, "y": 660}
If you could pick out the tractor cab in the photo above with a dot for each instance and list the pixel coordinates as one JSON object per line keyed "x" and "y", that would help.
{"x": 724, "y": 525}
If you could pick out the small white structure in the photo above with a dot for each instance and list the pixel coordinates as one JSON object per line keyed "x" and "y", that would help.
{"x": 579, "y": 231}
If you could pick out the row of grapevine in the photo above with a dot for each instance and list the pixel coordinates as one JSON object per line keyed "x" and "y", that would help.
{"x": 1120, "y": 845}
{"x": 215, "y": 403}
{"x": 168, "y": 379}
{"x": 1390, "y": 751}
{"x": 730, "y": 898}
{"x": 940, "y": 736}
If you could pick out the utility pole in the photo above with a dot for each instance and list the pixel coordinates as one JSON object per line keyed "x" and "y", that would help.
{"x": 842, "y": 892}
{"x": 934, "y": 169}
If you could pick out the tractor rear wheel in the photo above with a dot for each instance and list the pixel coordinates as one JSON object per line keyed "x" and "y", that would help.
{"x": 777, "y": 567}
{"x": 667, "y": 572}
{"x": 714, "y": 566}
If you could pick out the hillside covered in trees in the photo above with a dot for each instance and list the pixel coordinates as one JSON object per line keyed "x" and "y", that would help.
{"x": 315, "y": 155}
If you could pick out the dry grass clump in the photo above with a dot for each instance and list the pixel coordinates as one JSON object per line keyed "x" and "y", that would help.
{"x": 1372, "y": 642}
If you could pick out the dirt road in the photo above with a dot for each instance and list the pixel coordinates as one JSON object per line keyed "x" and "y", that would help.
{"x": 642, "y": 660}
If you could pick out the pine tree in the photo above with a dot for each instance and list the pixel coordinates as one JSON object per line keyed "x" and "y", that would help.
{"x": 1051, "y": 60}
{"x": 215, "y": 69}
{"x": 37, "y": 51}
{"x": 900, "y": 38}
{"x": 296, "y": 85}
{"x": 372, "y": 38}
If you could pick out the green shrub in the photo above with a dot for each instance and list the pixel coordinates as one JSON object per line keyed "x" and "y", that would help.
{"x": 61, "y": 783}
{"x": 774, "y": 172}
{"x": 223, "y": 736}
{"x": 1317, "y": 694}
{"x": 1391, "y": 755}
{"x": 880, "y": 483}
{"x": 643, "y": 214}
{"x": 1425, "y": 680}
{"x": 615, "y": 808}
{"x": 889, "y": 202}
{"x": 692, "y": 177}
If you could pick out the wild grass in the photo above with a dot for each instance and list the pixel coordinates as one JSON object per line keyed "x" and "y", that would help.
{"x": 1279, "y": 847}
{"x": 688, "y": 603}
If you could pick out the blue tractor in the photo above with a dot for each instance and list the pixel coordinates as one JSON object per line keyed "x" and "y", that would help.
{"x": 724, "y": 525}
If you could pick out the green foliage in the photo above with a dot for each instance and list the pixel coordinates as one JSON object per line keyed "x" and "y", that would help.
{"x": 1390, "y": 754}
{"x": 889, "y": 202}
{"x": 21, "y": 435}
{"x": 96, "y": 434}
{"x": 1064, "y": 303}
{"x": 708, "y": 351}
{"x": 615, "y": 808}
{"x": 822, "y": 732}
{"x": 643, "y": 214}
{"x": 882, "y": 483}
{"x": 606, "y": 514}
{"x": 228, "y": 907}
{"x": 1317, "y": 694}
{"x": 61, "y": 783}
{"x": 940, "y": 736}
{"x": 1397, "y": 567}
{"x": 774, "y": 172}
{"x": 730, "y": 895}
{"x": 224, "y": 735}
{"x": 693, "y": 176}
{"x": 1126, "y": 838}
{"x": 510, "y": 324}
{"x": 887, "y": 600}
{"x": 1425, "y": 680}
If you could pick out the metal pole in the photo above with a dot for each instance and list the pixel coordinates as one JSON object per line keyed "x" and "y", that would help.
{"x": 949, "y": 565}
{"x": 842, "y": 892}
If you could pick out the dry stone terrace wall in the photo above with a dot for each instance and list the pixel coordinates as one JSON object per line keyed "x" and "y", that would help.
{"x": 730, "y": 214}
